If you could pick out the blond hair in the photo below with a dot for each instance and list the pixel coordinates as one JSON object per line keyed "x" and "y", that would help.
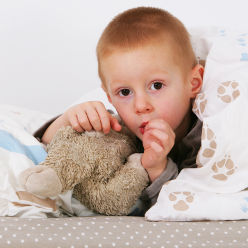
{"x": 143, "y": 25}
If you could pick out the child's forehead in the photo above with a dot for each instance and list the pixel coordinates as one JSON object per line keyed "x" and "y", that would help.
{"x": 158, "y": 57}
{"x": 153, "y": 47}
{"x": 134, "y": 65}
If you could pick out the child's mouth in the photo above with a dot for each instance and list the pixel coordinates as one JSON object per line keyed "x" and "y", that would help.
{"x": 142, "y": 127}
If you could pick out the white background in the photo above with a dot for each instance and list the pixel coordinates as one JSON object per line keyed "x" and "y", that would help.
{"x": 47, "y": 47}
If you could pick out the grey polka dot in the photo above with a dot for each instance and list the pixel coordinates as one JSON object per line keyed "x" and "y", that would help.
{"x": 105, "y": 232}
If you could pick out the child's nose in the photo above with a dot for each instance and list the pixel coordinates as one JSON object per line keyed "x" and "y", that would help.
{"x": 142, "y": 105}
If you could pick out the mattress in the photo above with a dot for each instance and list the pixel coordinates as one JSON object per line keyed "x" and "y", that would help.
{"x": 103, "y": 231}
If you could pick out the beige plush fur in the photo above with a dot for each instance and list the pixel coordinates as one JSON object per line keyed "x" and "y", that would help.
{"x": 104, "y": 171}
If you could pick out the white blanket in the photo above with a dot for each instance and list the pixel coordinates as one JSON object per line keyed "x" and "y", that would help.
{"x": 19, "y": 150}
{"x": 216, "y": 190}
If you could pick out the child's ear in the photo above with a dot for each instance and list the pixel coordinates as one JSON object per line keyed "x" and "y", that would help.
{"x": 196, "y": 79}
{"x": 105, "y": 90}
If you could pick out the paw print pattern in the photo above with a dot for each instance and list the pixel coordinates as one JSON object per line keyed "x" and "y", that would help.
{"x": 228, "y": 91}
{"x": 200, "y": 104}
{"x": 181, "y": 199}
{"x": 223, "y": 169}
{"x": 198, "y": 162}
{"x": 209, "y": 138}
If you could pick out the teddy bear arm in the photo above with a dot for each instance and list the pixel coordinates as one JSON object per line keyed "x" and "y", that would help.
{"x": 68, "y": 171}
{"x": 41, "y": 181}
{"x": 63, "y": 135}
{"x": 119, "y": 195}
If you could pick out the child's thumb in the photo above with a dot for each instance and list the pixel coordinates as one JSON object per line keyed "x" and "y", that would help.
{"x": 115, "y": 125}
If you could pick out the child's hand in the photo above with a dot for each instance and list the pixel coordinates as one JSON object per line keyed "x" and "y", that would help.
{"x": 158, "y": 140}
{"x": 90, "y": 115}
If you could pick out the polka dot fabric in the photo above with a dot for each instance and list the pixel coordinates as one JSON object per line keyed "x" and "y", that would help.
{"x": 101, "y": 231}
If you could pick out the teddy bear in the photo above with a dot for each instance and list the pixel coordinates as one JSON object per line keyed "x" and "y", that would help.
{"x": 103, "y": 170}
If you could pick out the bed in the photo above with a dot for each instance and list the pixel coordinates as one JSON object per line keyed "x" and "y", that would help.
{"x": 106, "y": 232}
{"x": 34, "y": 226}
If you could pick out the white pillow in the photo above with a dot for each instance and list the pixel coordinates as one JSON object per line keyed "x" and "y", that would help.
{"x": 29, "y": 120}
{"x": 216, "y": 189}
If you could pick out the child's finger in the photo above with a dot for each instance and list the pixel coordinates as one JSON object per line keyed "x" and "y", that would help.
{"x": 94, "y": 119}
{"x": 162, "y": 126}
{"x": 156, "y": 147}
{"x": 83, "y": 121}
{"x": 167, "y": 139}
{"x": 115, "y": 123}
{"x": 164, "y": 140}
{"x": 154, "y": 135}
{"x": 75, "y": 124}
{"x": 158, "y": 124}
{"x": 161, "y": 136}
{"x": 104, "y": 117}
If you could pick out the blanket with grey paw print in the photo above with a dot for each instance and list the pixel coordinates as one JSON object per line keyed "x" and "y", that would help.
{"x": 216, "y": 189}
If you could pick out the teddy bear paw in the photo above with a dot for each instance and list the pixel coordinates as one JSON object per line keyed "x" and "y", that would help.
{"x": 134, "y": 161}
{"x": 41, "y": 180}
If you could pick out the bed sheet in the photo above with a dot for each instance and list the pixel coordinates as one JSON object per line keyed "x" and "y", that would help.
{"x": 106, "y": 232}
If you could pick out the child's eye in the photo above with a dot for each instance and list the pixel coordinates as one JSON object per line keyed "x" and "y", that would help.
{"x": 124, "y": 92}
{"x": 156, "y": 85}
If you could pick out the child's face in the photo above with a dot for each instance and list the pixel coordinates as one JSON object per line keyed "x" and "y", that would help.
{"x": 145, "y": 84}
